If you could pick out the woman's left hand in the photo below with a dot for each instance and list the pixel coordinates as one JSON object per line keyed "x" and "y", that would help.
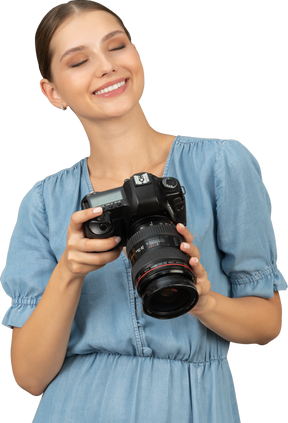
{"x": 201, "y": 281}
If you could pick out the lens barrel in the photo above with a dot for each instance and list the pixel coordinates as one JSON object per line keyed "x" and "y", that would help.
{"x": 160, "y": 270}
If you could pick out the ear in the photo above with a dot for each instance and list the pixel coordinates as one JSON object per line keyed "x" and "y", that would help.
{"x": 49, "y": 94}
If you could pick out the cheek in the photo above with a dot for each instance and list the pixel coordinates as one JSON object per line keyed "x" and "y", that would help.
{"x": 138, "y": 71}
{"x": 78, "y": 83}
{"x": 132, "y": 62}
{"x": 72, "y": 85}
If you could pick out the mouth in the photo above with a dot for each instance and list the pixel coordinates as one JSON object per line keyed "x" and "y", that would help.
{"x": 114, "y": 87}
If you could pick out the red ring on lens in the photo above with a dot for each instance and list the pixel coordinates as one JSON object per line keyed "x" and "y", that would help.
{"x": 162, "y": 265}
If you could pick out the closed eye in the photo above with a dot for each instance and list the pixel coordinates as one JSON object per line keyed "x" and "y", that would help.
{"x": 78, "y": 64}
{"x": 81, "y": 63}
{"x": 119, "y": 48}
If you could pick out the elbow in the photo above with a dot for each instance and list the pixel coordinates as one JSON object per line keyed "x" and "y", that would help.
{"x": 274, "y": 337}
{"x": 277, "y": 336}
{"x": 273, "y": 326}
{"x": 27, "y": 384}
{"x": 29, "y": 391}
{"x": 35, "y": 392}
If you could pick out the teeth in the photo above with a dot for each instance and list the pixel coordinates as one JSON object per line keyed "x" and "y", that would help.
{"x": 111, "y": 88}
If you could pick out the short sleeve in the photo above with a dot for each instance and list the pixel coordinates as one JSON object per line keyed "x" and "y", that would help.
{"x": 30, "y": 260}
{"x": 244, "y": 229}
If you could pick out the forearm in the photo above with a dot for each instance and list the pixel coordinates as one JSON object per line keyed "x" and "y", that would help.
{"x": 40, "y": 346}
{"x": 242, "y": 320}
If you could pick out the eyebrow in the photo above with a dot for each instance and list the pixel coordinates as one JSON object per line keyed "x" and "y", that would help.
{"x": 80, "y": 48}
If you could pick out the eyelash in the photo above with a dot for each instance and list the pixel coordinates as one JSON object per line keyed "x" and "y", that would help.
{"x": 84, "y": 61}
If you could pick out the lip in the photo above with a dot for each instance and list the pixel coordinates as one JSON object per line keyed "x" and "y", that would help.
{"x": 109, "y": 84}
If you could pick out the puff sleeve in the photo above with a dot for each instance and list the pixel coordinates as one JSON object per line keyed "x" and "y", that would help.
{"x": 30, "y": 260}
{"x": 244, "y": 229}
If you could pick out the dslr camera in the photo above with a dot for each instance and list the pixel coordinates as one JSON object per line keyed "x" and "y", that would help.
{"x": 144, "y": 212}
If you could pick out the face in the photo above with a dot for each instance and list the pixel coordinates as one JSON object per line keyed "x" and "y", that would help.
{"x": 96, "y": 70}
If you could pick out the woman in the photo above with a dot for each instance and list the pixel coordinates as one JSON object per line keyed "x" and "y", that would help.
{"x": 87, "y": 343}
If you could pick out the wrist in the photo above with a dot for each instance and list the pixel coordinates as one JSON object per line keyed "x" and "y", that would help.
{"x": 66, "y": 275}
{"x": 204, "y": 306}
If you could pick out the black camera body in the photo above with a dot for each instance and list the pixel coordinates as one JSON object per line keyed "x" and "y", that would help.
{"x": 144, "y": 212}
{"x": 142, "y": 195}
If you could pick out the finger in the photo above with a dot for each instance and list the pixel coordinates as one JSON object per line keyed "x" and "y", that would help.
{"x": 188, "y": 237}
{"x": 187, "y": 246}
{"x": 96, "y": 259}
{"x": 99, "y": 245}
{"x": 190, "y": 249}
{"x": 194, "y": 262}
{"x": 197, "y": 268}
{"x": 79, "y": 217}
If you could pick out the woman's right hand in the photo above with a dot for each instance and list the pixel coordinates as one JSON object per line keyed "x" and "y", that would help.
{"x": 83, "y": 255}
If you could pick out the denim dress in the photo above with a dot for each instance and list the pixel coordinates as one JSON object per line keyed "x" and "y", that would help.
{"x": 122, "y": 365}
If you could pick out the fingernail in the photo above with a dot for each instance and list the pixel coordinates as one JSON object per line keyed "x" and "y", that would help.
{"x": 117, "y": 239}
{"x": 186, "y": 246}
{"x": 181, "y": 225}
{"x": 98, "y": 210}
{"x": 195, "y": 259}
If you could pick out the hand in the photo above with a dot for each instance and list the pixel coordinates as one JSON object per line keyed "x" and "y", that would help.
{"x": 83, "y": 255}
{"x": 201, "y": 281}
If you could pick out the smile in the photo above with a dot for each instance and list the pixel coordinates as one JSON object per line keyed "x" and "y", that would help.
{"x": 111, "y": 88}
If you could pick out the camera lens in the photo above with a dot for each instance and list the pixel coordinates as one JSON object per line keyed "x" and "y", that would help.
{"x": 160, "y": 270}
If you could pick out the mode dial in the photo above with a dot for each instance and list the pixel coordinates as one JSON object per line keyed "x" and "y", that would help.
{"x": 170, "y": 183}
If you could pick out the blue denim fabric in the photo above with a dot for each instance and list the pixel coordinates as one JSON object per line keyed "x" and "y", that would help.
{"x": 124, "y": 366}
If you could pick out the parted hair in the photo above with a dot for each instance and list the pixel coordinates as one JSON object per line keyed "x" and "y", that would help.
{"x": 52, "y": 21}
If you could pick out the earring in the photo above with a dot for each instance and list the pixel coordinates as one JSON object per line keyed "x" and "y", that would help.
{"x": 63, "y": 108}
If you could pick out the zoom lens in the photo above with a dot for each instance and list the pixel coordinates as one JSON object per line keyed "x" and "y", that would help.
{"x": 160, "y": 270}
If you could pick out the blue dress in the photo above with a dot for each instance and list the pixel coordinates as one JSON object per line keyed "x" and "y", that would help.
{"x": 122, "y": 365}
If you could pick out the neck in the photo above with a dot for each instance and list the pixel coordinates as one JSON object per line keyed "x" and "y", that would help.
{"x": 123, "y": 146}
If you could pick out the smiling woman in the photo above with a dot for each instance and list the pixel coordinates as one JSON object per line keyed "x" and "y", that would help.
{"x": 79, "y": 51}
{"x": 80, "y": 335}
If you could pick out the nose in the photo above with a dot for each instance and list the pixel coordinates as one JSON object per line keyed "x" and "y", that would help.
{"x": 105, "y": 66}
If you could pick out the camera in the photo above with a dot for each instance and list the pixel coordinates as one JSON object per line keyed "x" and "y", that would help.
{"x": 144, "y": 212}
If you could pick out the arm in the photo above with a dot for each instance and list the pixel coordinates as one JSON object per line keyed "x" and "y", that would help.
{"x": 242, "y": 320}
{"x": 39, "y": 347}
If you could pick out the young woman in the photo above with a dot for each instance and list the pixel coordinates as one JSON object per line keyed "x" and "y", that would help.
{"x": 79, "y": 332}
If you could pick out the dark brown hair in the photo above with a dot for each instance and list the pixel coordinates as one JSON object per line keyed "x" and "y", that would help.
{"x": 52, "y": 21}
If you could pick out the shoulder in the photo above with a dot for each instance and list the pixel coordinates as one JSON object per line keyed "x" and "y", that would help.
{"x": 216, "y": 144}
{"x": 214, "y": 151}
{"x": 61, "y": 183}
{"x": 235, "y": 151}
{"x": 233, "y": 159}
